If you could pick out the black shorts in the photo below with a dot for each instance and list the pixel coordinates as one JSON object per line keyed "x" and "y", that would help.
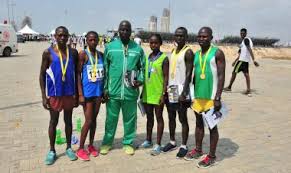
{"x": 91, "y": 99}
{"x": 178, "y": 106}
{"x": 241, "y": 66}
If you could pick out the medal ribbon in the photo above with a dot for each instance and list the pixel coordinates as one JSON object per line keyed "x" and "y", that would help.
{"x": 175, "y": 58}
{"x": 91, "y": 60}
{"x": 151, "y": 61}
{"x": 64, "y": 69}
{"x": 205, "y": 58}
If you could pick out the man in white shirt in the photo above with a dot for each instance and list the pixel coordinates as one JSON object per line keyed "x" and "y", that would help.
{"x": 137, "y": 40}
{"x": 241, "y": 63}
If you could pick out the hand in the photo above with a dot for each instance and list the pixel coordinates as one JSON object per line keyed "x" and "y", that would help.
{"x": 217, "y": 105}
{"x": 256, "y": 64}
{"x": 217, "y": 115}
{"x": 76, "y": 103}
{"x": 81, "y": 100}
{"x": 166, "y": 98}
{"x": 45, "y": 103}
{"x": 182, "y": 98}
{"x": 162, "y": 100}
{"x": 105, "y": 97}
{"x": 136, "y": 84}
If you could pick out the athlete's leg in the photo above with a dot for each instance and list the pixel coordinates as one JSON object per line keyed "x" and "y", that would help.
{"x": 232, "y": 79}
{"x": 88, "y": 112}
{"x": 199, "y": 131}
{"x": 214, "y": 136}
{"x": 160, "y": 122}
{"x": 182, "y": 111}
{"x": 96, "y": 108}
{"x": 112, "y": 113}
{"x": 172, "y": 120}
{"x": 129, "y": 113}
{"x": 248, "y": 81}
{"x": 150, "y": 120}
{"x": 54, "y": 119}
{"x": 68, "y": 126}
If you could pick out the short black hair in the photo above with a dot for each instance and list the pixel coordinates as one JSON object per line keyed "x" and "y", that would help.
{"x": 62, "y": 27}
{"x": 159, "y": 37}
{"x": 208, "y": 29}
{"x": 182, "y": 28}
{"x": 93, "y": 33}
{"x": 124, "y": 21}
{"x": 243, "y": 30}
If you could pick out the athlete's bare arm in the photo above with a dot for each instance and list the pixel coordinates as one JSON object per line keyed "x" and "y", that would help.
{"x": 220, "y": 62}
{"x": 46, "y": 60}
{"x": 189, "y": 58}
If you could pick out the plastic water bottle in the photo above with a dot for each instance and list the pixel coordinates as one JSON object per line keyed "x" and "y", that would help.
{"x": 74, "y": 140}
{"x": 78, "y": 124}
{"x": 59, "y": 139}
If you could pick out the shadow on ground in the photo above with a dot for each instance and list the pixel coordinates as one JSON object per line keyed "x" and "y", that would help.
{"x": 12, "y": 56}
{"x": 226, "y": 147}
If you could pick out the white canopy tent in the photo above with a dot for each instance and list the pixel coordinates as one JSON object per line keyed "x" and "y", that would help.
{"x": 52, "y": 32}
{"x": 27, "y": 30}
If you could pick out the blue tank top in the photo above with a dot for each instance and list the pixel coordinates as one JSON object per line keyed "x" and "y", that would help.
{"x": 93, "y": 89}
{"x": 54, "y": 84}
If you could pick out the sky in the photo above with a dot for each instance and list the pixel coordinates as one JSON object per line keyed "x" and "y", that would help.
{"x": 262, "y": 18}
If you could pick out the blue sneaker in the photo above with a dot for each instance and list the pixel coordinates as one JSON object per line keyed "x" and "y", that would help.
{"x": 146, "y": 144}
{"x": 156, "y": 150}
{"x": 51, "y": 157}
{"x": 169, "y": 147}
{"x": 71, "y": 154}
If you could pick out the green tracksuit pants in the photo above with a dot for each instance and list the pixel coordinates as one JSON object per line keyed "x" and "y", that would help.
{"x": 129, "y": 112}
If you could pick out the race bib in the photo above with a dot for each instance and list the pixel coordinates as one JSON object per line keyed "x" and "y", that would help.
{"x": 99, "y": 75}
{"x": 173, "y": 94}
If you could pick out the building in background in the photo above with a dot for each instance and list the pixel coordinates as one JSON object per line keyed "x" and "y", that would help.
{"x": 153, "y": 24}
{"x": 165, "y": 20}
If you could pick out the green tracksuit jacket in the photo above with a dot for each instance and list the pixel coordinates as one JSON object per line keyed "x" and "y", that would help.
{"x": 117, "y": 62}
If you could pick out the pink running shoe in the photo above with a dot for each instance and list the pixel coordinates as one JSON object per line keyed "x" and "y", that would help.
{"x": 93, "y": 151}
{"x": 83, "y": 155}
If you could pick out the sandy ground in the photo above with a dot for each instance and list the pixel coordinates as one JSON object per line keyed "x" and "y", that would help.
{"x": 255, "y": 137}
{"x": 231, "y": 51}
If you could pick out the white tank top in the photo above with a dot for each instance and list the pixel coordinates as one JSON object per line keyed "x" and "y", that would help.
{"x": 244, "y": 52}
{"x": 177, "y": 70}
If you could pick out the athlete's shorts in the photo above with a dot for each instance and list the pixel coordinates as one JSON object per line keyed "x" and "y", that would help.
{"x": 202, "y": 105}
{"x": 241, "y": 66}
{"x": 178, "y": 106}
{"x": 92, "y": 99}
{"x": 61, "y": 103}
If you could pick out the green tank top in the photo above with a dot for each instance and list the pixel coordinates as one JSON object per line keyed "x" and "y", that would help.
{"x": 205, "y": 88}
{"x": 154, "y": 80}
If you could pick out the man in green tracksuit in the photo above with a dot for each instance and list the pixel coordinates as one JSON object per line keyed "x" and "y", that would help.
{"x": 124, "y": 66}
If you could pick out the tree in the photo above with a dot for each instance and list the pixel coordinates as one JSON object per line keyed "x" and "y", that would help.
{"x": 144, "y": 35}
{"x": 266, "y": 42}
{"x": 27, "y": 21}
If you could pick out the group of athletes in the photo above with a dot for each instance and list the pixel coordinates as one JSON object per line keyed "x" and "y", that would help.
{"x": 89, "y": 78}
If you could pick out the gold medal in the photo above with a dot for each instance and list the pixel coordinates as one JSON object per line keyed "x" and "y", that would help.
{"x": 172, "y": 75}
{"x": 63, "y": 67}
{"x": 203, "y": 64}
{"x": 94, "y": 65}
{"x": 202, "y": 76}
{"x": 94, "y": 77}
{"x": 174, "y": 59}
